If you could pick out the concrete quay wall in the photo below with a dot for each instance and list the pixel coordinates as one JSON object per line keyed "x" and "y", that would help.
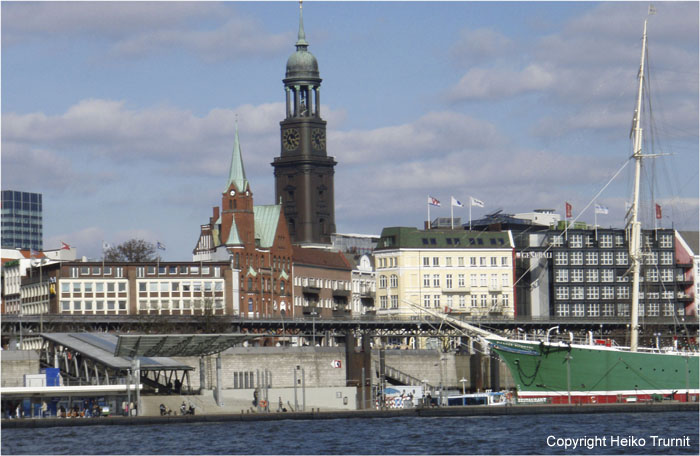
{"x": 326, "y": 415}
{"x": 14, "y": 364}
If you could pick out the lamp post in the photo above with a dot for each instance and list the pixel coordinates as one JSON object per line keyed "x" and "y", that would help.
{"x": 464, "y": 390}
{"x": 550, "y": 330}
{"x": 313, "y": 314}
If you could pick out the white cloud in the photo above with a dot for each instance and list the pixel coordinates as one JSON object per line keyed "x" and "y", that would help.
{"x": 499, "y": 83}
{"x": 479, "y": 45}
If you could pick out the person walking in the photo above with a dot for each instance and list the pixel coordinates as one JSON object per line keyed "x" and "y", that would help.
{"x": 44, "y": 409}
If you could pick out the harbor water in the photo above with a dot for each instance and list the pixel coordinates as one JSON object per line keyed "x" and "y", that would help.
{"x": 613, "y": 433}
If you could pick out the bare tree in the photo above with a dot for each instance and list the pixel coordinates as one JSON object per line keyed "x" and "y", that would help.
{"x": 133, "y": 250}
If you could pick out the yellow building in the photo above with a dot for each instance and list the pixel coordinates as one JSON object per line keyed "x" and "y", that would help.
{"x": 467, "y": 273}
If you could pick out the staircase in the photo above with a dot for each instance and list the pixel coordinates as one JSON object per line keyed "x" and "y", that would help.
{"x": 402, "y": 377}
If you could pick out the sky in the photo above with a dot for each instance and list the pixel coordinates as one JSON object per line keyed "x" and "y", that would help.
{"x": 123, "y": 114}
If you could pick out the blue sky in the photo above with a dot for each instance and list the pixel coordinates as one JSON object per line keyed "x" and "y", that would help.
{"x": 123, "y": 114}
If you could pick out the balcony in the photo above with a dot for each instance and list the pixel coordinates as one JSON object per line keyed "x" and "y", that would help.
{"x": 687, "y": 297}
{"x": 464, "y": 289}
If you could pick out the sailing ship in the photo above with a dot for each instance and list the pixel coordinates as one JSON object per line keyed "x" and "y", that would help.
{"x": 597, "y": 371}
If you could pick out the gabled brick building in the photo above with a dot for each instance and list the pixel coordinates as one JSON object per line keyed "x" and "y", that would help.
{"x": 255, "y": 240}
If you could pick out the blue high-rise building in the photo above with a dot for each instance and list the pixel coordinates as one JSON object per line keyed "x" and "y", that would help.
{"x": 22, "y": 220}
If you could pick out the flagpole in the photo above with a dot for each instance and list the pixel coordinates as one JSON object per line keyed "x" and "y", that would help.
{"x": 595, "y": 219}
{"x": 471, "y": 200}
{"x": 452, "y": 215}
{"x": 428, "y": 215}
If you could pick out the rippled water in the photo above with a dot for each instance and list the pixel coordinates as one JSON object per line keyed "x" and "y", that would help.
{"x": 406, "y": 435}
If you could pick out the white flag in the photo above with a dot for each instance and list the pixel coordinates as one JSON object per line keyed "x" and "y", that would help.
{"x": 457, "y": 203}
{"x": 600, "y": 209}
{"x": 476, "y": 202}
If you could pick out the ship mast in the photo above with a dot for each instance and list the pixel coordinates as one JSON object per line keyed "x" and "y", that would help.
{"x": 635, "y": 235}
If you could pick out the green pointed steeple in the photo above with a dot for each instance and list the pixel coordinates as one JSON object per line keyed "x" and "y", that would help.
{"x": 236, "y": 174}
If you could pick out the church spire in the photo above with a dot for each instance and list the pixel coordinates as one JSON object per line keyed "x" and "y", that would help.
{"x": 236, "y": 174}
{"x": 301, "y": 43}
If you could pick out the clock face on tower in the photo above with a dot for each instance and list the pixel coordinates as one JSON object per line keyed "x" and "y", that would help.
{"x": 290, "y": 139}
{"x": 318, "y": 139}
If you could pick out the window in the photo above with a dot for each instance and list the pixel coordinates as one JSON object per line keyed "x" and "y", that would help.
{"x": 426, "y": 301}
{"x": 472, "y": 262}
{"x": 607, "y": 292}
{"x": 462, "y": 300}
{"x": 172, "y": 270}
{"x": 474, "y": 301}
{"x": 667, "y": 275}
{"x": 84, "y": 270}
{"x": 394, "y": 302}
{"x": 592, "y": 293}
{"x": 594, "y": 310}
{"x": 472, "y": 280}
{"x": 577, "y": 310}
{"x": 592, "y": 258}
{"x": 151, "y": 270}
{"x": 606, "y": 241}
{"x": 219, "y": 286}
{"x": 504, "y": 261}
{"x": 621, "y": 258}
{"x": 505, "y": 280}
{"x": 556, "y": 240}
{"x": 562, "y": 293}
{"x": 607, "y": 275}
{"x": 653, "y": 309}
{"x": 494, "y": 281}
{"x": 77, "y": 287}
{"x": 436, "y": 301}
{"x": 65, "y": 287}
{"x": 652, "y": 275}
{"x": 619, "y": 240}
{"x": 608, "y": 309}
{"x": 99, "y": 287}
{"x": 96, "y": 270}
{"x": 460, "y": 262}
{"x": 194, "y": 270}
{"x": 394, "y": 281}
{"x": 426, "y": 262}
{"x": 577, "y": 258}
{"x": 577, "y": 275}
{"x": 426, "y": 280}
{"x": 576, "y": 241}
{"x": 448, "y": 262}
{"x": 448, "y": 281}
{"x": 460, "y": 281}
{"x": 666, "y": 258}
{"x": 563, "y": 310}
{"x": 482, "y": 280}
{"x": 494, "y": 262}
{"x": 484, "y": 300}
{"x": 606, "y": 258}
{"x": 482, "y": 262}
{"x": 436, "y": 280}
{"x": 666, "y": 241}
{"x": 561, "y": 275}
{"x": 591, "y": 275}
{"x": 623, "y": 292}
{"x": 142, "y": 286}
{"x": 88, "y": 305}
{"x": 383, "y": 302}
{"x": 119, "y": 272}
{"x": 436, "y": 262}
{"x": 668, "y": 309}
{"x": 652, "y": 258}
{"x": 65, "y": 305}
{"x": 561, "y": 258}
{"x": 576, "y": 292}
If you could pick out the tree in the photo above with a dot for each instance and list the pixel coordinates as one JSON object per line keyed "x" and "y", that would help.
{"x": 133, "y": 250}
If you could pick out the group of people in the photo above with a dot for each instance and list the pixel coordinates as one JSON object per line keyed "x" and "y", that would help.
{"x": 86, "y": 409}
{"x": 128, "y": 408}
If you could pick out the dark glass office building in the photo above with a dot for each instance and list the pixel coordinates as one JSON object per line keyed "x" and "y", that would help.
{"x": 22, "y": 221}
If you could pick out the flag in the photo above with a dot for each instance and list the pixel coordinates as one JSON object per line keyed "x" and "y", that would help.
{"x": 476, "y": 202}
{"x": 160, "y": 246}
{"x": 658, "y": 212}
{"x": 105, "y": 246}
{"x": 457, "y": 203}
{"x": 600, "y": 209}
{"x": 568, "y": 210}
{"x": 433, "y": 201}
{"x": 64, "y": 246}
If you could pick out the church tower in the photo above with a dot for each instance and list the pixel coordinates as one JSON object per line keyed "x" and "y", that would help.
{"x": 303, "y": 171}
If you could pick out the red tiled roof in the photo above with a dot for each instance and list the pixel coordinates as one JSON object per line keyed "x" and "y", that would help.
{"x": 319, "y": 257}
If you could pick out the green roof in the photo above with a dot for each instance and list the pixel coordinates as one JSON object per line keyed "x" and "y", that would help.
{"x": 412, "y": 238}
{"x": 266, "y": 221}
{"x": 233, "y": 237}
{"x": 236, "y": 174}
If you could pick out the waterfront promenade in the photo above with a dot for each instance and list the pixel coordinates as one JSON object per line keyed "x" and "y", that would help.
{"x": 318, "y": 414}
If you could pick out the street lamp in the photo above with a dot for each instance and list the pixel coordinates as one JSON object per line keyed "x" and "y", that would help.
{"x": 464, "y": 390}
{"x": 550, "y": 330}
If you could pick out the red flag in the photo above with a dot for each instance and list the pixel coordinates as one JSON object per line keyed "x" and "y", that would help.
{"x": 568, "y": 210}
{"x": 65, "y": 246}
{"x": 658, "y": 212}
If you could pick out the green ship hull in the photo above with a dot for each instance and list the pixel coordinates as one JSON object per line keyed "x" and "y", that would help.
{"x": 563, "y": 373}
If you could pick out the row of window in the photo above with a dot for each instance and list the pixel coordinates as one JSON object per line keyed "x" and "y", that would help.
{"x": 93, "y": 287}
{"x": 494, "y": 262}
{"x": 143, "y": 271}
{"x": 665, "y": 241}
{"x": 322, "y": 283}
{"x": 474, "y": 300}
{"x": 99, "y": 305}
{"x": 623, "y": 292}
{"x": 180, "y": 286}
{"x": 608, "y": 275}
{"x": 180, "y": 304}
{"x": 651, "y": 309}
{"x": 77, "y": 271}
